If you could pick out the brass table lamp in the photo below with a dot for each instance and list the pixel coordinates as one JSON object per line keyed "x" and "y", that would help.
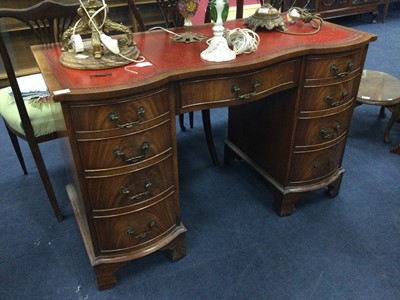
{"x": 99, "y": 51}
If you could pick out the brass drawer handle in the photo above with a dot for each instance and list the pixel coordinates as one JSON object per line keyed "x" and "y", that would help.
{"x": 335, "y": 70}
{"x": 327, "y": 136}
{"x": 331, "y": 103}
{"x": 112, "y": 117}
{"x": 119, "y": 153}
{"x": 148, "y": 184}
{"x": 131, "y": 232}
{"x": 328, "y": 163}
{"x": 236, "y": 91}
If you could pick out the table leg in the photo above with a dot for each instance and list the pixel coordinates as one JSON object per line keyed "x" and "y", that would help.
{"x": 385, "y": 11}
{"x": 382, "y": 113}
{"x": 177, "y": 248}
{"x": 395, "y": 109}
{"x": 395, "y": 150}
{"x": 334, "y": 187}
{"x": 105, "y": 274}
{"x": 285, "y": 204}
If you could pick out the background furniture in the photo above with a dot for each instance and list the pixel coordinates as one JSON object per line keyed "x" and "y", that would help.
{"x": 46, "y": 21}
{"x": 385, "y": 10}
{"x": 126, "y": 189}
{"x": 336, "y": 8}
{"x": 381, "y": 89}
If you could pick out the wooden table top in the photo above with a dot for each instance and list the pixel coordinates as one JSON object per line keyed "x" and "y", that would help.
{"x": 379, "y": 88}
{"x": 170, "y": 61}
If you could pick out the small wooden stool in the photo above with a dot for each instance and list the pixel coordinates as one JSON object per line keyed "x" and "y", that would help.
{"x": 381, "y": 89}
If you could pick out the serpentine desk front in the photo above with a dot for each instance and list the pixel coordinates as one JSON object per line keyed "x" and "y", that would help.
{"x": 290, "y": 106}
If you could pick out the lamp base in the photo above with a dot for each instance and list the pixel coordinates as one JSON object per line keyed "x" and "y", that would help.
{"x": 86, "y": 60}
{"x": 188, "y": 37}
{"x": 218, "y": 50}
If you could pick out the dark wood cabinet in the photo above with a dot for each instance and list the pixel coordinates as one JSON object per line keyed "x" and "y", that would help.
{"x": 335, "y": 8}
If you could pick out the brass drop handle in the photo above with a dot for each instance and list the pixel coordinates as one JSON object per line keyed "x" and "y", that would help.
{"x": 112, "y": 117}
{"x": 335, "y": 70}
{"x": 236, "y": 91}
{"x": 317, "y": 165}
{"x": 119, "y": 153}
{"x": 131, "y": 232}
{"x": 148, "y": 184}
{"x": 328, "y": 136}
{"x": 331, "y": 103}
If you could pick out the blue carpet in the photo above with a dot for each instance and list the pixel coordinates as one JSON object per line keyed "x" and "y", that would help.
{"x": 237, "y": 247}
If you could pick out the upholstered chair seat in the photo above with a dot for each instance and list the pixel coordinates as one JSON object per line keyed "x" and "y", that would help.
{"x": 36, "y": 100}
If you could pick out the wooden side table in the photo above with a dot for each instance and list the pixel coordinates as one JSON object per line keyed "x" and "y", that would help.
{"x": 381, "y": 89}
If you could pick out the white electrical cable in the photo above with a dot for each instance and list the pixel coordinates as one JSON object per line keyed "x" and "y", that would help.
{"x": 242, "y": 40}
{"x": 91, "y": 22}
{"x": 162, "y": 28}
{"x": 107, "y": 41}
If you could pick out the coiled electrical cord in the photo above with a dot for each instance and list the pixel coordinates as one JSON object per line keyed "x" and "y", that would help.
{"x": 297, "y": 13}
{"x": 242, "y": 40}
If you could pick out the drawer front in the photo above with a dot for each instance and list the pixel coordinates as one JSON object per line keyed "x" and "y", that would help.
{"x": 125, "y": 150}
{"x": 337, "y": 66}
{"x": 322, "y": 129}
{"x": 232, "y": 88}
{"x": 121, "y": 232}
{"x": 316, "y": 165}
{"x": 126, "y": 113}
{"x": 329, "y": 96}
{"x": 136, "y": 188}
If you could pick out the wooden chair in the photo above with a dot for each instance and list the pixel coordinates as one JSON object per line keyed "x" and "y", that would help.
{"x": 47, "y": 20}
{"x": 136, "y": 17}
{"x": 171, "y": 14}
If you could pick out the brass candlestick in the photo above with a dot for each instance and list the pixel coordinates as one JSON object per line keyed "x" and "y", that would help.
{"x": 187, "y": 9}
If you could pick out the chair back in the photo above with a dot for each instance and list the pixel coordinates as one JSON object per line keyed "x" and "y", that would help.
{"x": 136, "y": 15}
{"x": 48, "y": 20}
{"x": 172, "y": 17}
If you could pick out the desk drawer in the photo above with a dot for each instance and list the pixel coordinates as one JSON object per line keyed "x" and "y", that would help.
{"x": 125, "y": 150}
{"x": 219, "y": 90}
{"x": 329, "y": 96}
{"x": 313, "y": 129}
{"x": 124, "y": 231}
{"x": 136, "y": 188}
{"x": 316, "y": 165}
{"x": 333, "y": 66}
{"x": 132, "y": 114}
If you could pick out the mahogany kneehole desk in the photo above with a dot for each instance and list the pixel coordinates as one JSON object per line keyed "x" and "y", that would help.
{"x": 290, "y": 106}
